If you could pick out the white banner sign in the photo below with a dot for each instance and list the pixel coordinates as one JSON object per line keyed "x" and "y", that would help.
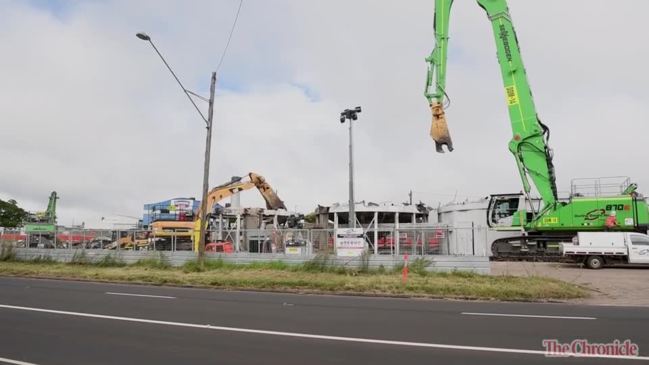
{"x": 181, "y": 205}
{"x": 349, "y": 242}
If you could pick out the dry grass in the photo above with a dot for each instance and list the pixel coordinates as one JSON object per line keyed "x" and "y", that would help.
{"x": 280, "y": 277}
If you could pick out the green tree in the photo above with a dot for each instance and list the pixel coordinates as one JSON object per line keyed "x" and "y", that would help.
{"x": 11, "y": 215}
{"x": 310, "y": 218}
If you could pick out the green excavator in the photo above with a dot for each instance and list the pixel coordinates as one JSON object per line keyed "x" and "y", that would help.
{"x": 43, "y": 222}
{"x": 543, "y": 220}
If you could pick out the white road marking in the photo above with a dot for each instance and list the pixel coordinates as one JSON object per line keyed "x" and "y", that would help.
{"x": 140, "y": 295}
{"x": 15, "y": 362}
{"x": 524, "y": 315}
{"x": 312, "y": 336}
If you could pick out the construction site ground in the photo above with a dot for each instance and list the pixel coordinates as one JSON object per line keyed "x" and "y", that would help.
{"x": 609, "y": 286}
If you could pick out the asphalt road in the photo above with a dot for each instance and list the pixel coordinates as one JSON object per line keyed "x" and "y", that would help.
{"x": 65, "y": 322}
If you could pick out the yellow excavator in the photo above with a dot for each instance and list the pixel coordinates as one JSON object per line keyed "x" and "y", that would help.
{"x": 237, "y": 185}
{"x": 191, "y": 229}
{"x": 214, "y": 196}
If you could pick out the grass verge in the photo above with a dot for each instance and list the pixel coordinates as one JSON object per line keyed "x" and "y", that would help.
{"x": 310, "y": 278}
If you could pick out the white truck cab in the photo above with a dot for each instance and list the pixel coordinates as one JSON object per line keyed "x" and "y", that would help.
{"x": 596, "y": 249}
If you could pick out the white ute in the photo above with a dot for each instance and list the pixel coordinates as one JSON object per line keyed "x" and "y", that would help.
{"x": 596, "y": 249}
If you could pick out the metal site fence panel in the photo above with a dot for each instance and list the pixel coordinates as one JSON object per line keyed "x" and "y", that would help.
{"x": 322, "y": 241}
{"x": 130, "y": 240}
{"x": 12, "y": 237}
{"x": 286, "y": 241}
{"x": 138, "y": 240}
{"x": 42, "y": 240}
{"x": 230, "y": 237}
{"x": 96, "y": 239}
{"x": 469, "y": 240}
{"x": 384, "y": 242}
{"x": 289, "y": 241}
{"x": 423, "y": 241}
{"x": 84, "y": 238}
{"x": 462, "y": 240}
{"x": 163, "y": 241}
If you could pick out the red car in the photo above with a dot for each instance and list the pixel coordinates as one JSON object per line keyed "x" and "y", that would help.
{"x": 220, "y": 246}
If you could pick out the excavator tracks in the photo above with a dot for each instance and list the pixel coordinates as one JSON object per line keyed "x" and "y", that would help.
{"x": 529, "y": 248}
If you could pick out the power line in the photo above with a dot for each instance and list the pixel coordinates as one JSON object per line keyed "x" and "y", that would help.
{"x": 227, "y": 45}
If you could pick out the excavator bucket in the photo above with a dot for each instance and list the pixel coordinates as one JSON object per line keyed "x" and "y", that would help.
{"x": 272, "y": 200}
{"x": 439, "y": 128}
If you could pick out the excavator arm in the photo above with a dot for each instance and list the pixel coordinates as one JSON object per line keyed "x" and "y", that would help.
{"x": 270, "y": 196}
{"x": 223, "y": 191}
{"x": 436, "y": 77}
{"x": 49, "y": 215}
{"x": 529, "y": 143}
{"x": 51, "y": 208}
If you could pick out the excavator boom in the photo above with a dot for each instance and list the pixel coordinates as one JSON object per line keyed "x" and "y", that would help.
{"x": 546, "y": 224}
{"x": 529, "y": 141}
{"x": 223, "y": 191}
{"x": 51, "y": 208}
{"x": 270, "y": 196}
{"x": 228, "y": 189}
{"x": 436, "y": 77}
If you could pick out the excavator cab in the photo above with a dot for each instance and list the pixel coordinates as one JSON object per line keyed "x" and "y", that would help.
{"x": 504, "y": 211}
{"x": 511, "y": 211}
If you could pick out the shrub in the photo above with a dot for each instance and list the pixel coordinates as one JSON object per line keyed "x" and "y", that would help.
{"x": 365, "y": 262}
{"x": 42, "y": 259}
{"x": 270, "y": 265}
{"x": 159, "y": 261}
{"x": 110, "y": 261}
{"x": 80, "y": 258}
{"x": 7, "y": 252}
{"x": 320, "y": 263}
{"x": 418, "y": 266}
{"x": 208, "y": 264}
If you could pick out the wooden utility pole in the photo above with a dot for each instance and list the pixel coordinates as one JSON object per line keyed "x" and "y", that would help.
{"x": 206, "y": 172}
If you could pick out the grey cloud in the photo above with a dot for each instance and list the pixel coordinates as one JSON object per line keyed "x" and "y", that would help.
{"x": 88, "y": 110}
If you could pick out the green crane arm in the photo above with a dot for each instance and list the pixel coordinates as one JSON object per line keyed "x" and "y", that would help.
{"x": 436, "y": 77}
{"x": 50, "y": 213}
{"x": 529, "y": 142}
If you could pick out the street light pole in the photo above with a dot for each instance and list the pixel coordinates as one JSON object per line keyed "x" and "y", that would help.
{"x": 352, "y": 204}
{"x": 351, "y": 114}
{"x": 208, "y": 140}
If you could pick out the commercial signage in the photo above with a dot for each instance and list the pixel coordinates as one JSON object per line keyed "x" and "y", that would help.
{"x": 39, "y": 228}
{"x": 293, "y": 250}
{"x": 181, "y": 205}
{"x": 349, "y": 242}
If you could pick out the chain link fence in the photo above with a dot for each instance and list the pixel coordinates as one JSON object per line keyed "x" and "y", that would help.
{"x": 443, "y": 240}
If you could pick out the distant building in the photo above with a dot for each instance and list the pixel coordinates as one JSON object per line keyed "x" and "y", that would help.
{"x": 177, "y": 209}
{"x": 383, "y": 214}
{"x": 388, "y": 228}
{"x": 469, "y": 220}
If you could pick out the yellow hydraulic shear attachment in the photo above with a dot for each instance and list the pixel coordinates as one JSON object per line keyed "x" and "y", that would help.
{"x": 439, "y": 128}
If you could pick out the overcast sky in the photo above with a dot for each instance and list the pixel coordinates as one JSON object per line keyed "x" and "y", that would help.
{"x": 88, "y": 110}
